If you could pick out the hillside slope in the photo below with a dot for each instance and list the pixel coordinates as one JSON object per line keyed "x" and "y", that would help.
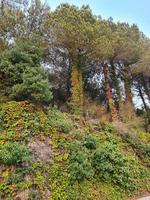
{"x": 50, "y": 155}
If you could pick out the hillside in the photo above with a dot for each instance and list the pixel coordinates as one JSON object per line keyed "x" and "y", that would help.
{"x": 49, "y": 155}
{"x": 74, "y": 103}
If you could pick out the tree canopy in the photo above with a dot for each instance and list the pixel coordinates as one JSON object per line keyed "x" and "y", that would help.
{"x": 86, "y": 54}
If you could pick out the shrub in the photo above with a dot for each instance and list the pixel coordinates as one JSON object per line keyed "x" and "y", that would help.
{"x": 146, "y": 149}
{"x": 141, "y": 149}
{"x": 108, "y": 127}
{"x": 16, "y": 177}
{"x": 89, "y": 142}
{"x": 34, "y": 195}
{"x": 58, "y": 120}
{"x": 21, "y": 65}
{"x": 19, "y": 174}
{"x": 110, "y": 165}
{"x": 80, "y": 167}
{"x": 13, "y": 153}
{"x": 34, "y": 86}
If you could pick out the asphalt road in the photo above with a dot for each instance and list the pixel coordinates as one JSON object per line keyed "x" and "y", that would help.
{"x": 144, "y": 198}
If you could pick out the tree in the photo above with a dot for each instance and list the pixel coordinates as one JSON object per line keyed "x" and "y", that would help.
{"x": 141, "y": 78}
{"x": 142, "y": 68}
{"x": 71, "y": 30}
{"x": 128, "y": 45}
{"x": 102, "y": 51}
{"x": 11, "y": 20}
{"x": 23, "y": 20}
{"x": 20, "y": 66}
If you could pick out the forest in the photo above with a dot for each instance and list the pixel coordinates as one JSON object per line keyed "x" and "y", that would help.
{"x": 74, "y": 104}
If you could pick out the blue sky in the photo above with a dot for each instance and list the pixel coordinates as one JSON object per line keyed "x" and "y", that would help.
{"x": 132, "y": 11}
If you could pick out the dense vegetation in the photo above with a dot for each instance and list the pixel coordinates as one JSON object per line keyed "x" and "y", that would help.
{"x": 69, "y": 126}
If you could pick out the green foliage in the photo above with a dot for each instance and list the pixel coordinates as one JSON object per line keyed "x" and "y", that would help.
{"x": 69, "y": 23}
{"x": 89, "y": 142}
{"x": 34, "y": 86}
{"x": 80, "y": 167}
{"x": 111, "y": 165}
{"x": 58, "y": 120}
{"x": 21, "y": 120}
{"x": 146, "y": 149}
{"x": 13, "y": 153}
{"x": 73, "y": 28}
{"x": 14, "y": 61}
{"x": 22, "y": 76}
{"x": 16, "y": 177}
{"x": 141, "y": 149}
{"x": 24, "y": 53}
{"x": 108, "y": 127}
{"x": 88, "y": 163}
{"x": 34, "y": 195}
{"x": 59, "y": 182}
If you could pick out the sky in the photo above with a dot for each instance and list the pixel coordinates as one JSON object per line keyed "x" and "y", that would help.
{"x": 131, "y": 11}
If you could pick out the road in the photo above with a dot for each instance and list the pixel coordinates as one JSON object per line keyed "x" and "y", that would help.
{"x": 144, "y": 198}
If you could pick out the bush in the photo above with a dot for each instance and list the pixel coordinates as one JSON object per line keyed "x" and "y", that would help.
{"x": 19, "y": 174}
{"x": 34, "y": 86}
{"x": 141, "y": 149}
{"x": 108, "y": 127}
{"x": 146, "y": 149}
{"x": 13, "y": 153}
{"x": 58, "y": 120}
{"x": 80, "y": 167}
{"x": 23, "y": 77}
{"x": 16, "y": 177}
{"x": 34, "y": 195}
{"x": 89, "y": 142}
{"x": 110, "y": 165}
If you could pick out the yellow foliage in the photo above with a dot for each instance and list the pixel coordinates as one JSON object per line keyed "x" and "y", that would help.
{"x": 77, "y": 90}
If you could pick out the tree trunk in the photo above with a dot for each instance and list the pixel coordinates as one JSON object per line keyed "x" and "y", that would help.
{"x": 109, "y": 96}
{"x": 142, "y": 97}
{"x": 146, "y": 88}
{"x": 144, "y": 103}
{"x": 76, "y": 90}
{"x": 129, "y": 108}
{"x": 117, "y": 88}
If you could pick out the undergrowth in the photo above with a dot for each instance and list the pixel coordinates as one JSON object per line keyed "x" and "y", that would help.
{"x": 89, "y": 161}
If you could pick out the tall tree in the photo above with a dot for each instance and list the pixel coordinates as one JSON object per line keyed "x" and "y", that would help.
{"x": 102, "y": 51}
{"x": 71, "y": 30}
{"x": 128, "y": 45}
{"x": 142, "y": 68}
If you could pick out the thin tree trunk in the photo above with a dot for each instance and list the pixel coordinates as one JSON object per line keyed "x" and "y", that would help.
{"x": 129, "y": 108}
{"x": 76, "y": 90}
{"x": 109, "y": 96}
{"x": 147, "y": 90}
{"x": 144, "y": 103}
{"x": 142, "y": 97}
{"x": 127, "y": 84}
{"x": 117, "y": 88}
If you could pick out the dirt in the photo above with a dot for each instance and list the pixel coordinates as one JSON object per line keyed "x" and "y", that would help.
{"x": 41, "y": 149}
